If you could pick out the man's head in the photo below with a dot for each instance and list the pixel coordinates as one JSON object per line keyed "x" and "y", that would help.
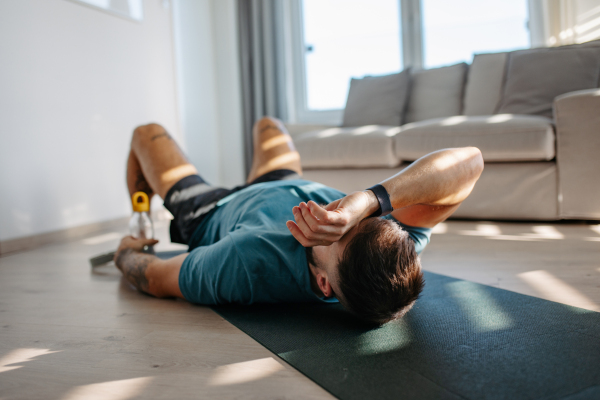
{"x": 374, "y": 270}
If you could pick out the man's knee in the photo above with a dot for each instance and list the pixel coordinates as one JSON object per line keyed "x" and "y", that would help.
{"x": 146, "y": 133}
{"x": 266, "y": 122}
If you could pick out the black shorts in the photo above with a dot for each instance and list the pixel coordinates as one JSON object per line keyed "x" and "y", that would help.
{"x": 192, "y": 199}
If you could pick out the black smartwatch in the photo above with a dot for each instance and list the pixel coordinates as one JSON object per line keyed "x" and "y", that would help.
{"x": 385, "y": 205}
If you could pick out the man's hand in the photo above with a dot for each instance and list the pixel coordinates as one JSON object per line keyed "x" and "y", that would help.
{"x": 148, "y": 273}
{"x": 131, "y": 244}
{"x": 322, "y": 226}
{"x": 133, "y": 263}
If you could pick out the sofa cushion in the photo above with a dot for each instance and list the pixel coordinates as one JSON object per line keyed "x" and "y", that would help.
{"x": 484, "y": 84}
{"x": 501, "y": 138}
{"x": 377, "y": 100}
{"x": 436, "y": 93}
{"x": 535, "y": 77}
{"x": 366, "y": 146}
{"x": 592, "y": 43}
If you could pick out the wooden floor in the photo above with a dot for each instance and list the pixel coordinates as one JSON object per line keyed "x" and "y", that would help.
{"x": 67, "y": 332}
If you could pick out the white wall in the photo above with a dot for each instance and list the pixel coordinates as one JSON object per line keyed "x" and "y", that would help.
{"x": 229, "y": 95}
{"x": 209, "y": 87}
{"x": 74, "y": 83}
{"x": 196, "y": 84}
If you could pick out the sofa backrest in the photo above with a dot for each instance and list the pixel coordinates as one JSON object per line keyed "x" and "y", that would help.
{"x": 518, "y": 82}
{"x": 436, "y": 93}
{"x": 377, "y": 100}
{"x": 527, "y": 81}
{"x": 483, "y": 89}
{"x": 535, "y": 77}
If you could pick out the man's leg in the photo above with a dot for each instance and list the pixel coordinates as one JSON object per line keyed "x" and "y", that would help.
{"x": 136, "y": 182}
{"x": 155, "y": 164}
{"x": 273, "y": 149}
{"x": 155, "y": 161}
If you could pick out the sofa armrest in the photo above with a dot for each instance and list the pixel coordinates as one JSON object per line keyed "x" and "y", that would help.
{"x": 577, "y": 117}
{"x": 297, "y": 129}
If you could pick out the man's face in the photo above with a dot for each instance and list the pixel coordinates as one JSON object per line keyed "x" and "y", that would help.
{"x": 327, "y": 259}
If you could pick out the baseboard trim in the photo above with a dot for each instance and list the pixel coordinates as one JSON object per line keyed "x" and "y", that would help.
{"x": 60, "y": 236}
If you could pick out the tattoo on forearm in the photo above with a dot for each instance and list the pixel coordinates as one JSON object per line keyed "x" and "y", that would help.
{"x": 133, "y": 264}
{"x": 159, "y": 135}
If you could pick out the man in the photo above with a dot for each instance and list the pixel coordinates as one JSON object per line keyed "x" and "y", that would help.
{"x": 279, "y": 238}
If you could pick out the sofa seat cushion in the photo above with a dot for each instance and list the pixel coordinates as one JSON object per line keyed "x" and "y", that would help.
{"x": 365, "y": 146}
{"x": 501, "y": 138}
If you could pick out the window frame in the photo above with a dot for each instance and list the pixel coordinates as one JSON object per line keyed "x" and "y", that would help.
{"x": 302, "y": 113}
{"x": 412, "y": 56}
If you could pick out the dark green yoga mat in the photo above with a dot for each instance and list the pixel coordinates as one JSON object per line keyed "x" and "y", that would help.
{"x": 462, "y": 340}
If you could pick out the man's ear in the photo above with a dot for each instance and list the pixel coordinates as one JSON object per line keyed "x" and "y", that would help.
{"x": 324, "y": 285}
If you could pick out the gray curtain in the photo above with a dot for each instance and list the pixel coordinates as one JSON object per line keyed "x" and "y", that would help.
{"x": 261, "y": 44}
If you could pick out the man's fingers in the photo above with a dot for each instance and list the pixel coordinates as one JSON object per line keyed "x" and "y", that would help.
{"x": 311, "y": 220}
{"x": 299, "y": 236}
{"x": 317, "y": 224}
{"x": 333, "y": 205}
{"x": 326, "y": 214}
{"x": 306, "y": 231}
{"x": 317, "y": 210}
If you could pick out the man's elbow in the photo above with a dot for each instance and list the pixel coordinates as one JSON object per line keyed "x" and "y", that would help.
{"x": 163, "y": 278}
{"x": 156, "y": 289}
{"x": 470, "y": 167}
{"x": 473, "y": 162}
{"x": 477, "y": 163}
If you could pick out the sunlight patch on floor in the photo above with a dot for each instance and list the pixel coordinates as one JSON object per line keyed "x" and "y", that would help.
{"x": 555, "y": 289}
{"x": 483, "y": 230}
{"x": 546, "y": 232}
{"x": 491, "y": 231}
{"x": 248, "y": 371}
{"x": 19, "y": 356}
{"x": 114, "y": 390}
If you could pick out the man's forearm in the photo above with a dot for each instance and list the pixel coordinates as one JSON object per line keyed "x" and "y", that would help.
{"x": 442, "y": 178}
{"x": 134, "y": 265}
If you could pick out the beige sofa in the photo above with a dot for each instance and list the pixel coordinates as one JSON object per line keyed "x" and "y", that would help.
{"x": 535, "y": 115}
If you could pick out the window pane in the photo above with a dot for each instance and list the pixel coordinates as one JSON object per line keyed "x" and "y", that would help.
{"x": 455, "y": 30}
{"x": 344, "y": 39}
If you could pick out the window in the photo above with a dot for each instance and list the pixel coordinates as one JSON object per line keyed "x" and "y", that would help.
{"x": 345, "y": 39}
{"x": 336, "y": 40}
{"x": 455, "y": 30}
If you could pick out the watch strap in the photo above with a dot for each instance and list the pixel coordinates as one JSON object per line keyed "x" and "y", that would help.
{"x": 385, "y": 205}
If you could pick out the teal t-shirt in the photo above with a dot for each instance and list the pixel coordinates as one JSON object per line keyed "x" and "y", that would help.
{"x": 244, "y": 253}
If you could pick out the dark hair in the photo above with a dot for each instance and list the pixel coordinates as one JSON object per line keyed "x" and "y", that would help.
{"x": 380, "y": 272}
